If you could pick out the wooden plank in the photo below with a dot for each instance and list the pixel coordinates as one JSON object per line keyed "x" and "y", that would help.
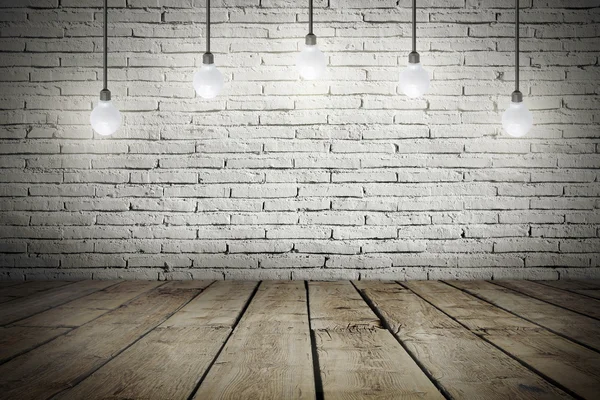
{"x": 574, "y": 367}
{"x": 577, "y": 327}
{"x": 84, "y": 309}
{"x": 572, "y": 285}
{"x": 268, "y": 356}
{"x": 358, "y": 358}
{"x": 169, "y": 361}
{"x": 579, "y": 287}
{"x": 574, "y": 302}
{"x": 337, "y": 305}
{"x": 463, "y": 364}
{"x": 9, "y": 283}
{"x": 68, "y": 359}
{"x": 219, "y": 306}
{"x": 40, "y": 328}
{"x": 15, "y": 340}
{"x": 27, "y": 306}
{"x": 28, "y": 288}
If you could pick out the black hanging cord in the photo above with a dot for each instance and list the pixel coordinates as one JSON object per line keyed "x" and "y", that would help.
{"x": 208, "y": 26}
{"x": 105, "y": 65}
{"x": 516, "y": 45}
{"x": 310, "y": 16}
{"x": 414, "y": 26}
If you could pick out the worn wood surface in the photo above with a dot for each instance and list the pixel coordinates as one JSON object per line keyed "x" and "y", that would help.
{"x": 577, "y": 327}
{"x": 249, "y": 340}
{"x": 84, "y": 309}
{"x": 586, "y": 288}
{"x": 169, "y": 361}
{"x": 465, "y": 366}
{"x": 12, "y": 292}
{"x": 24, "y": 307}
{"x": 358, "y": 358}
{"x": 558, "y": 297}
{"x": 269, "y": 354}
{"x": 15, "y": 340}
{"x": 337, "y": 305}
{"x": 574, "y": 367}
{"x": 31, "y": 332}
{"x": 66, "y": 360}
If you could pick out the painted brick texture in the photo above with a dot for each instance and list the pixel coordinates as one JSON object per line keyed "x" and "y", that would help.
{"x": 280, "y": 178}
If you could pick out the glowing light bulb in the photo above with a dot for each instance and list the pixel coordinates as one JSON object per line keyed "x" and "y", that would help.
{"x": 105, "y": 118}
{"x": 208, "y": 81}
{"x": 414, "y": 80}
{"x": 517, "y": 119}
{"x": 311, "y": 62}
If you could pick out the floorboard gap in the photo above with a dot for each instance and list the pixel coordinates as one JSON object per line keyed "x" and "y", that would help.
{"x": 116, "y": 354}
{"x": 54, "y": 306}
{"x": 71, "y": 329}
{"x": 315, "y": 354}
{"x": 235, "y": 324}
{"x": 526, "y": 319}
{"x": 482, "y": 337}
{"x": 567, "y": 290}
{"x": 4, "y": 302}
{"x": 545, "y": 301}
{"x": 384, "y": 323}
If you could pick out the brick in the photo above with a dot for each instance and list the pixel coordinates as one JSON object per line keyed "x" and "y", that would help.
{"x": 327, "y": 246}
{"x": 365, "y": 232}
{"x": 394, "y": 246}
{"x": 291, "y": 261}
{"x": 281, "y": 178}
{"x": 260, "y": 246}
{"x": 359, "y": 262}
{"x": 298, "y": 232}
{"x": 488, "y": 231}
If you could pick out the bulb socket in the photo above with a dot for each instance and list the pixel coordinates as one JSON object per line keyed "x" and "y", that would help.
{"x": 414, "y": 57}
{"x": 208, "y": 58}
{"x": 517, "y": 97}
{"x": 310, "y": 40}
{"x": 105, "y": 95}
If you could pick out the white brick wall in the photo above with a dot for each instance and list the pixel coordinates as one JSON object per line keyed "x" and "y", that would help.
{"x": 279, "y": 178}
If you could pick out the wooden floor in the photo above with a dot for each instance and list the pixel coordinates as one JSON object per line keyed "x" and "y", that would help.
{"x": 300, "y": 340}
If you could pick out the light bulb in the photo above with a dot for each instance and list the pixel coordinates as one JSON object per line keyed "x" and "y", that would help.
{"x": 414, "y": 80}
{"x": 517, "y": 119}
{"x": 311, "y": 62}
{"x": 105, "y": 118}
{"x": 208, "y": 81}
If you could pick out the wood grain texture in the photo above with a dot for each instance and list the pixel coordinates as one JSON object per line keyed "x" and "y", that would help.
{"x": 580, "y": 287}
{"x": 169, "y": 361}
{"x": 269, "y": 354}
{"x": 574, "y": 367}
{"x": 463, "y": 364}
{"x": 68, "y": 359}
{"x": 219, "y": 306}
{"x": 15, "y": 340}
{"x": 31, "y": 332}
{"x": 27, "y": 306}
{"x": 337, "y": 305}
{"x": 156, "y": 340}
{"x": 574, "y": 302}
{"x": 12, "y": 292}
{"x": 358, "y": 358}
{"x": 575, "y": 326}
{"x": 84, "y": 309}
